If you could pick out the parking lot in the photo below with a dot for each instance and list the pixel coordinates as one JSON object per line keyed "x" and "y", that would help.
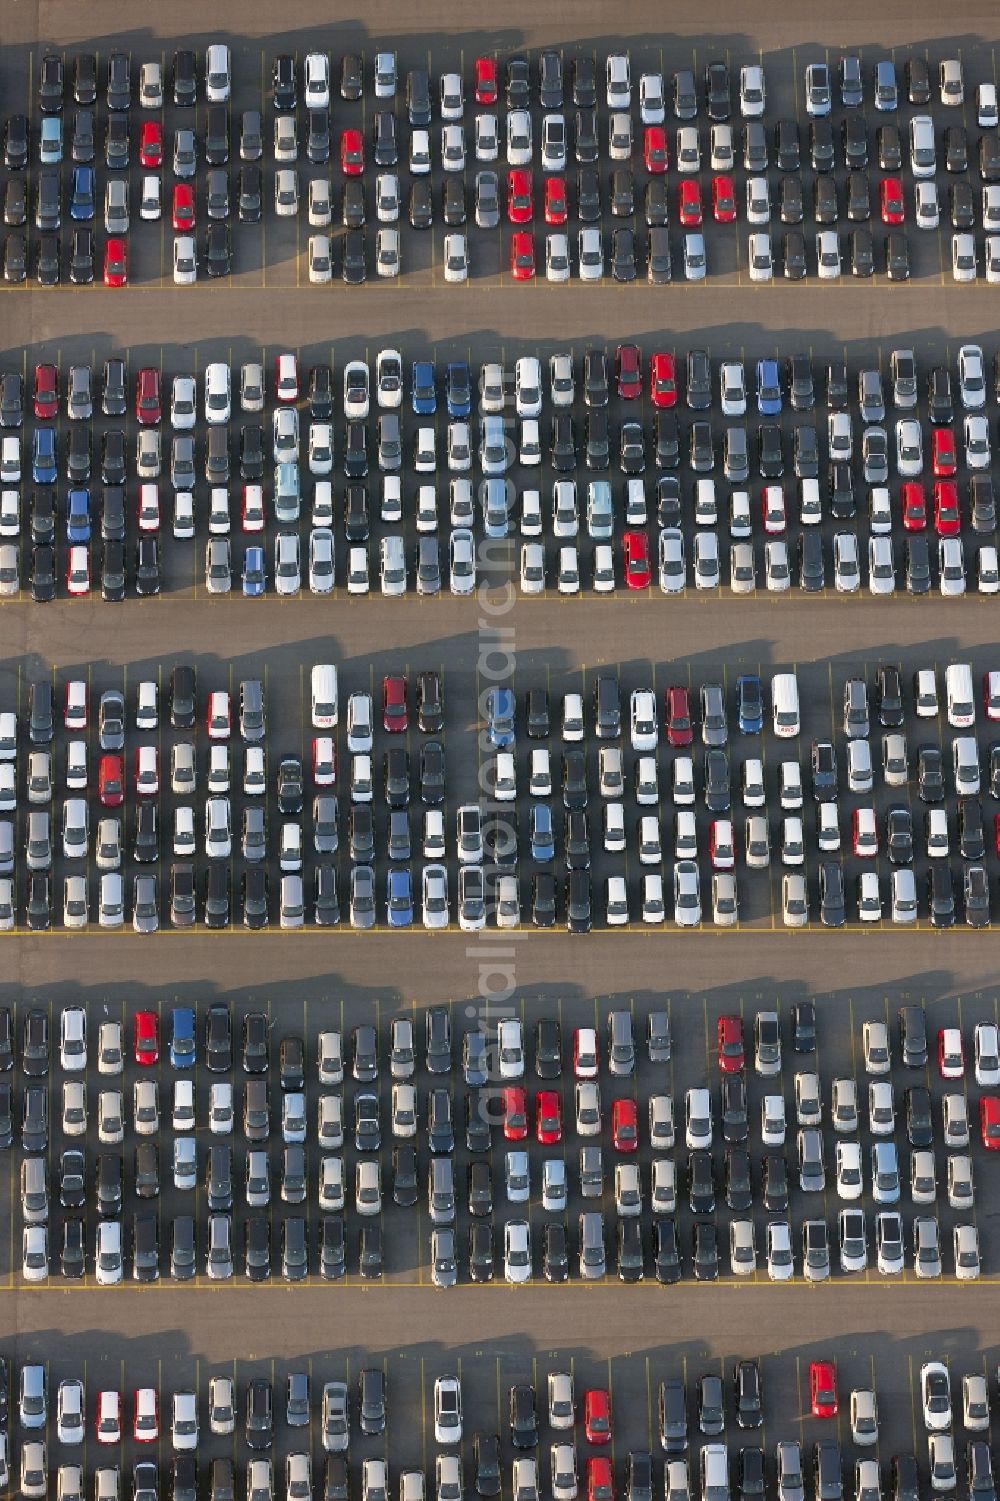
{"x": 878, "y": 1328}
{"x": 274, "y": 251}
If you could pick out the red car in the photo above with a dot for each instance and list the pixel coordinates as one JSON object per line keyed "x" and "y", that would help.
{"x": 146, "y": 1038}
{"x": 151, "y": 143}
{"x": 729, "y": 1035}
{"x": 515, "y": 1113}
{"x": 147, "y": 396}
{"x": 352, "y": 153}
{"x": 486, "y": 80}
{"x": 914, "y": 506}
{"x": 721, "y": 849}
{"x": 628, "y": 368}
{"x": 989, "y": 1121}
{"x": 689, "y": 202}
{"x": 556, "y": 207}
{"x": 548, "y": 1117}
{"x": 823, "y": 1388}
{"x": 654, "y": 148}
{"x": 597, "y": 1416}
{"x": 864, "y": 833}
{"x": 520, "y": 205}
{"x": 46, "y": 392}
{"x": 947, "y": 521}
{"x": 183, "y": 215}
{"x": 115, "y": 262}
{"x": 522, "y": 256}
{"x": 78, "y": 570}
{"x": 944, "y": 459}
{"x": 635, "y": 546}
{"x": 600, "y": 1479}
{"x": 890, "y": 194}
{"x": 111, "y": 781}
{"x": 680, "y": 731}
{"x": 625, "y": 1125}
{"x": 723, "y": 200}
{"x": 395, "y": 717}
{"x": 663, "y": 380}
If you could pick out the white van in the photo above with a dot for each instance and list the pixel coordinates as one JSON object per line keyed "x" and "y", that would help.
{"x": 572, "y": 724}
{"x": 218, "y": 392}
{"x": 184, "y": 515}
{"x": 785, "y": 704}
{"x": 531, "y": 513}
{"x": 505, "y": 782}
{"x": 959, "y": 695}
{"x": 324, "y": 696}
{"x": 810, "y": 505}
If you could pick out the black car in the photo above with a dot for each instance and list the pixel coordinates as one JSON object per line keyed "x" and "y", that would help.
{"x": 543, "y": 899}
{"x": 890, "y": 151}
{"x": 962, "y": 206}
{"x": 832, "y": 902}
{"x": 255, "y": 894}
{"x": 940, "y": 404}
{"x": 518, "y": 83}
{"x": 821, "y": 152}
{"x": 283, "y": 85}
{"x": 354, "y": 257}
{"x": 956, "y": 149}
{"x": 421, "y": 204}
{"x": 73, "y": 1255}
{"x": 706, "y": 1251}
{"x": 775, "y": 1184}
{"x": 350, "y": 77}
{"x": 825, "y": 202}
{"x": 249, "y": 194}
{"x": 523, "y": 1417}
{"x": 666, "y": 1257}
{"x": 718, "y": 94}
{"x": 787, "y": 146}
{"x": 481, "y": 1251}
{"x": 15, "y": 148}
{"x": 588, "y": 195}
{"x": 185, "y": 79}
{"x": 38, "y": 912}
{"x": 318, "y": 136}
{"x": 147, "y": 566}
{"x": 15, "y": 203}
{"x": 656, "y": 207}
{"x": 332, "y": 1253}
{"x": 43, "y": 573}
{"x": 579, "y": 916}
{"x": 623, "y": 255}
{"x": 218, "y": 251}
{"x": 85, "y": 78}
{"x": 793, "y": 255}
{"x": 47, "y": 264}
{"x": 790, "y": 200}
{"x": 862, "y": 252}
{"x": 930, "y": 774}
{"x": 454, "y": 208}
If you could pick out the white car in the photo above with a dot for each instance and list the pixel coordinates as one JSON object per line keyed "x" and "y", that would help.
{"x": 185, "y": 261}
{"x": 386, "y": 198}
{"x": 557, "y": 257}
{"x": 317, "y": 80}
{"x": 992, "y": 259}
{"x": 321, "y": 560}
{"x": 673, "y": 570}
{"x": 320, "y": 210}
{"x": 928, "y": 206}
{"x": 387, "y": 252}
{"x": 828, "y": 255}
{"x": 590, "y": 255}
{"x": 462, "y": 560}
{"x": 456, "y": 257}
{"x": 435, "y": 896}
{"x": 881, "y": 569}
{"x": 286, "y": 193}
{"x": 652, "y": 107}
{"x": 518, "y": 138}
{"x": 517, "y": 1251}
{"x": 320, "y": 259}
{"x": 935, "y": 1392}
{"x": 532, "y": 568}
{"x": 963, "y": 257}
{"x": 951, "y": 567}
{"x": 909, "y": 448}
{"x": 487, "y": 138}
{"x": 759, "y": 258}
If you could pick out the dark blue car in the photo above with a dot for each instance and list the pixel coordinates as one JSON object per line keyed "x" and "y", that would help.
{"x": 254, "y": 575}
{"x": 182, "y": 1037}
{"x": 399, "y": 898}
{"x": 43, "y": 455}
{"x": 423, "y": 394}
{"x": 750, "y": 704}
{"x": 78, "y": 516}
{"x": 500, "y": 717}
{"x": 458, "y": 390}
{"x": 768, "y": 388}
{"x": 81, "y": 198}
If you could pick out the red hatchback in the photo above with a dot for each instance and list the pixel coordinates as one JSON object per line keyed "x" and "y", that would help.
{"x": 486, "y": 80}
{"x": 46, "y": 392}
{"x": 515, "y": 1113}
{"x": 947, "y": 522}
{"x": 723, "y": 200}
{"x": 600, "y": 1479}
{"x": 654, "y": 149}
{"x": 663, "y": 380}
{"x": 680, "y": 731}
{"x": 625, "y": 1125}
{"x": 520, "y": 207}
{"x": 635, "y": 546}
{"x": 548, "y": 1117}
{"x": 689, "y": 202}
{"x": 944, "y": 459}
{"x": 395, "y": 716}
{"x": 147, "y": 396}
{"x": 116, "y": 262}
{"x": 628, "y": 368}
{"x": 597, "y": 1416}
{"x": 183, "y": 210}
{"x": 823, "y": 1388}
{"x": 352, "y": 153}
{"x": 989, "y": 1121}
{"x": 556, "y": 206}
{"x": 914, "y": 506}
{"x": 522, "y": 256}
{"x": 729, "y": 1036}
{"x": 146, "y": 1038}
{"x": 151, "y": 144}
{"x": 111, "y": 781}
{"x": 890, "y": 194}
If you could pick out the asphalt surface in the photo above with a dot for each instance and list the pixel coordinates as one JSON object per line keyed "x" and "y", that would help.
{"x": 180, "y": 1335}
